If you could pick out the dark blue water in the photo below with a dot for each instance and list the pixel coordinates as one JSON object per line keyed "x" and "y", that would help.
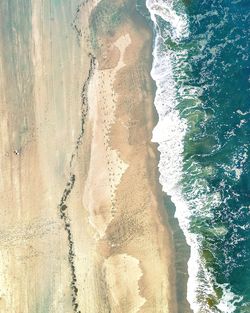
{"x": 202, "y": 72}
{"x": 219, "y": 140}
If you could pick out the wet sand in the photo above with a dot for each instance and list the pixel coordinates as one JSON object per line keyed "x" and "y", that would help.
{"x": 82, "y": 225}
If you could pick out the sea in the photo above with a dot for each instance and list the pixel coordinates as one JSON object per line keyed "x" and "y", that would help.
{"x": 201, "y": 69}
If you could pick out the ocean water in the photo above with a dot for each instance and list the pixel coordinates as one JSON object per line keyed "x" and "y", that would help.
{"x": 202, "y": 72}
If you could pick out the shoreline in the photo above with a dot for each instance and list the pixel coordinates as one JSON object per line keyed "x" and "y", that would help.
{"x": 180, "y": 248}
{"x": 99, "y": 108}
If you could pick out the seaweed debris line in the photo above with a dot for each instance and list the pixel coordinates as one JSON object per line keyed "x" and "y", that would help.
{"x": 64, "y": 215}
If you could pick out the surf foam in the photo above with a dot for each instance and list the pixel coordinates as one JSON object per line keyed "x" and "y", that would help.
{"x": 169, "y": 133}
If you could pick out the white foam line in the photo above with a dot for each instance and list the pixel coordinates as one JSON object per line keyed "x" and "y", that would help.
{"x": 169, "y": 133}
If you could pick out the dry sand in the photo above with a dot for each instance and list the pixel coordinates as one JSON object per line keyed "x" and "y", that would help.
{"x": 82, "y": 228}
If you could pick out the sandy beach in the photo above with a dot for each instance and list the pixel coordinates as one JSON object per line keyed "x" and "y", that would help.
{"x": 83, "y": 225}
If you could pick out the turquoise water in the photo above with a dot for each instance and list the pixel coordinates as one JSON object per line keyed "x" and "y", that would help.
{"x": 202, "y": 71}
